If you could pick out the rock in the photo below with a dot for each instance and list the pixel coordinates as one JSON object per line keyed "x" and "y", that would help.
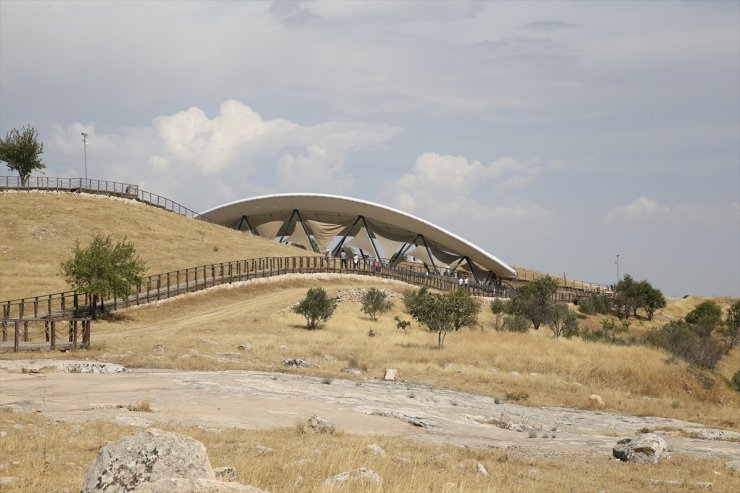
{"x": 595, "y": 400}
{"x": 3, "y": 434}
{"x": 320, "y": 425}
{"x": 330, "y": 357}
{"x": 353, "y": 371}
{"x": 147, "y": 457}
{"x": 262, "y": 450}
{"x": 190, "y": 485}
{"x": 375, "y": 449}
{"x": 132, "y": 421}
{"x": 733, "y": 465}
{"x": 244, "y": 347}
{"x": 298, "y": 363}
{"x": 17, "y": 427}
{"x": 390, "y": 375}
{"x": 283, "y": 346}
{"x": 227, "y": 355}
{"x": 225, "y": 473}
{"x": 515, "y": 374}
{"x": 416, "y": 421}
{"x": 361, "y": 474}
{"x": 481, "y": 470}
{"x": 712, "y": 434}
{"x": 7, "y": 481}
{"x": 208, "y": 341}
{"x": 647, "y": 448}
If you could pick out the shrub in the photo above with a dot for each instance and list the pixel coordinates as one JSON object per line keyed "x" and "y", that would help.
{"x": 735, "y": 382}
{"x": 499, "y": 307}
{"x": 608, "y": 332}
{"x": 596, "y": 304}
{"x": 681, "y": 340}
{"x": 316, "y": 307}
{"x": 570, "y": 326}
{"x": 401, "y": 324}
{"x": 374, "y": 303}
{"x": 516, "y": 323}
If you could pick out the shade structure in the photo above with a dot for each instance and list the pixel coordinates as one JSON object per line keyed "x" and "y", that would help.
{"x": 333, "y": 218}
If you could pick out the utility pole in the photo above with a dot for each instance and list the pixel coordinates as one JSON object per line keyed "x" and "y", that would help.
{"x": 84, "y": 143}
{"x": 617, "y": 262}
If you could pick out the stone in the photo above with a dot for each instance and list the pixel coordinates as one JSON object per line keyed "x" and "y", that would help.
{"x": 375, "y": 449}
{"x": 330, "y": 357}
{"x": 244, "y": 347}
{"x": 227, "y": 354}
{"x": 7, "y": 481}
{"x": 390, "y": 375}
{"x": 352, "y": 371}
{"x": 262, "y": 450}
{"x": 225, "y": 473}
{"x": 515, "y": 374}
{"x": 208, "y": 341}
{"x": 647, "y": 448}
{"x": 132, "y": 421}
{"x": 595, "y": 400}
{"x": 481, "y": 470}
{"x": 298, "y": 363}
{"x": 360, "y": 474}
{"x": 196, "y": 485}
{"x": 320, "y": 425}
{"x": 147, "y": 457}
{"x": 733, "y": 465}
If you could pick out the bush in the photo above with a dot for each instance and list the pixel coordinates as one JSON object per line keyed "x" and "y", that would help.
{"x": 516, "y": 323}
{"x": 735, "y": 382}
{"x": 374, "y": 303}
{"x": 316, "y": 307}
{"x": 499, "y": 307}
{"x": 607, "y": 333}
{"x": 681, "y": 340}
{"x": 597, "y": 304}
{"x": 570, "y": 326}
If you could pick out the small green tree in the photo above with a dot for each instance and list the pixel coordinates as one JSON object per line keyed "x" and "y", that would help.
{"x": 705, "y": 318}
{"x": 556, "y": 318}
{"x": 20, "y": 149}
{"x": 316, "y": 307}
{"x": 626, "y": 296}
{"x": 517, "y": 323}
{"x": 442, "y": 313}
{"x": 534, "y": 300}
{"x": 103, "y": 268}
{"x": 731, "y": 330}
{"x": 652, "y": 299}
{"x": 498, "y": 308}
{"x": 374, "y": 303}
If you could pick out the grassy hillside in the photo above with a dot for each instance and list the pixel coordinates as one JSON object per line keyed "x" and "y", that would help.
{"x": 39, "y": 230}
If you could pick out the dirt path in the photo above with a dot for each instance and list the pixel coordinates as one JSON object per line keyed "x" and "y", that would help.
{"x": 249, "y": 399}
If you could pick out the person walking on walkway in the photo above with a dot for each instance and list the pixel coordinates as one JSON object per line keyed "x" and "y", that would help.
{"x": 343, "y": 257}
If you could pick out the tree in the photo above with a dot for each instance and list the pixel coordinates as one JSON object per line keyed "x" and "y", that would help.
{"x": 731, "y": 330}
{"x": 20, "y": 149}
{"x": 103, "y": 268}
{"x": 442, "y": 313}
{"x": 498, "y": 308}
{"x": 652, "y": 299}
{"x": 534, "y": 300}
{"x": 706, "y": 317}
{"x": 626, "y": 296}
{"x": 374, "y": 303}
{"x": 316, "y": 307}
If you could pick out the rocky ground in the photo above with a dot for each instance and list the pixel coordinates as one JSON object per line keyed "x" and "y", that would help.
{"x": 77, "y": 391}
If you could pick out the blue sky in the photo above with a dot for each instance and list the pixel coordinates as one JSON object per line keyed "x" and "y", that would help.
{"x": 555, "y": 135}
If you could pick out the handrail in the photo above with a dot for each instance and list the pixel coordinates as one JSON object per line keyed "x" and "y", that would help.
{"x": 118, "y": 189}
{"x": 174, "y": 283}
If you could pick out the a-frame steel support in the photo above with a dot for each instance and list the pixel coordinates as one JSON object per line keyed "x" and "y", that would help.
{"x": 372, "y": 241}
{"x": 245, "y": 220}
{"x": 338, "y": 248}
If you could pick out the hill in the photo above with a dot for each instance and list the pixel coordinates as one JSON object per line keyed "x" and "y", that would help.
{"x": 39, "y": 230}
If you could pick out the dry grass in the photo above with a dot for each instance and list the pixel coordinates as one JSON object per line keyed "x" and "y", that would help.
{"x": 40, "y": 229}
{"x": 189, "y": 332}
{"x": 53, "y": 456}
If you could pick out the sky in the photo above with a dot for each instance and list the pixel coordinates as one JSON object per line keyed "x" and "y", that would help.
{"x": 554, "y": 135}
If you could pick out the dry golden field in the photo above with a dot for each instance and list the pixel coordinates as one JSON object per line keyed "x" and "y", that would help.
{"x": 52, "y": 456}
{"x": 39, "y": 230}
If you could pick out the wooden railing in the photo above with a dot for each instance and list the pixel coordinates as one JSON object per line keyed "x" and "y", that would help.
{"x": 126, "y": 190}
{"x": 35, "y": 333}
{"x": 169, "y": 284}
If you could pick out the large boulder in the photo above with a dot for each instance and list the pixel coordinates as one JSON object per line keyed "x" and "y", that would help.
{"x": 647, "y": 448}
{"x": 156, "y": 461}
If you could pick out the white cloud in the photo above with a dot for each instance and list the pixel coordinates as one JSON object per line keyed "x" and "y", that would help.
{"x": 439, "y": 187}
{"x": 646, "y": 210}
{"x": 642, "y": 208}
{"x": 236, "y": 146}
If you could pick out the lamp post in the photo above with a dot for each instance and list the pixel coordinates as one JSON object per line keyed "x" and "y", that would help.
{"x": 617, "y": 262}
{"x": 84, "y": 143}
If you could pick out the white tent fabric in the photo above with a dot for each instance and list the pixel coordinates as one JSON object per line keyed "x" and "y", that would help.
{"x": 387, "y": 246}
{"x": 362, "y": 241}
{"x": 269, "y": 229}
{"x": 299, "y": 236}
{"x": 324, "y": 233}
{"x": 421, "y": 253}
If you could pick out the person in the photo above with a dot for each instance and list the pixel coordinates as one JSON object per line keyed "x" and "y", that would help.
{"x": 460, "y": 281}
{"x": 377, "y": 265}
{"x": 356, "y": 261}
{"x": 343, "y": 257}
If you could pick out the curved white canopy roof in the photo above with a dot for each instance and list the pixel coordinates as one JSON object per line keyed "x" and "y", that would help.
{"x": 272, "y": 211}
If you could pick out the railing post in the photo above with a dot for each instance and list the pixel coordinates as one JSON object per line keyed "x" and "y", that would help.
{"x": 25, "y": 331}
{"x": 16, "y": 340}
{"x": 168, "y": 285}
{"x": 159, "y": 285}
{"x": 53, "y": 334}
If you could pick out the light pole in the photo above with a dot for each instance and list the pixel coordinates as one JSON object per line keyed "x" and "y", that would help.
{"x": 617, "y": 262}
{"x": 84, "y": 143}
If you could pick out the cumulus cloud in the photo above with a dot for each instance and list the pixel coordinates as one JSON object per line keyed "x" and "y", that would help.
{"x": 442, "y": 187}
{"x": 646, "y": 210}
{"x": 237, "y": 146}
